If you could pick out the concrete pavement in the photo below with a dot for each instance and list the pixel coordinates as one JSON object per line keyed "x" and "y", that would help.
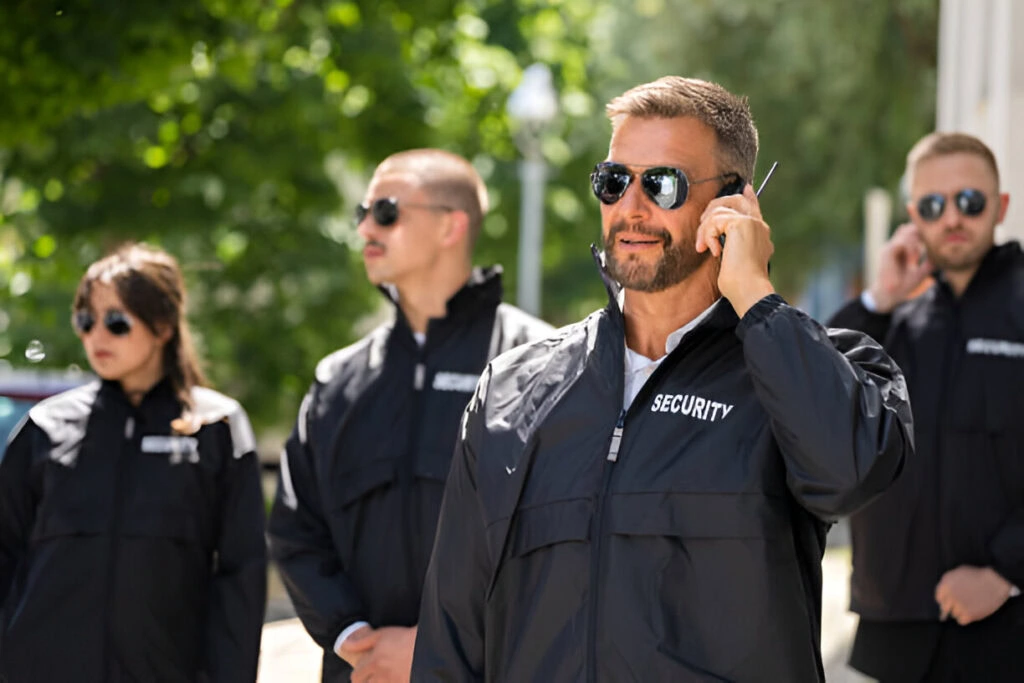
{"x": 290, "y": 656}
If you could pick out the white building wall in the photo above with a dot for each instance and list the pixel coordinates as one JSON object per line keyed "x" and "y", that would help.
{"x": 981, "y": 87}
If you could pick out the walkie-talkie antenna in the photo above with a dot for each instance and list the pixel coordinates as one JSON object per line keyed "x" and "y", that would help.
{"x": 765, "y": 181}
{"x": 721, "y": 238}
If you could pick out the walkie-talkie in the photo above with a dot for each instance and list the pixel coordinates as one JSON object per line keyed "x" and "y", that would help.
{"x": 736, "y": 187}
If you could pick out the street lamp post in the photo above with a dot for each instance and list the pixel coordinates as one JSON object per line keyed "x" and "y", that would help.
{"x": 531, "y": 107}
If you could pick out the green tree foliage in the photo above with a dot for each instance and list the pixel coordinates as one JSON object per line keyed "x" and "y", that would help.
{"x": 239, "y": 135}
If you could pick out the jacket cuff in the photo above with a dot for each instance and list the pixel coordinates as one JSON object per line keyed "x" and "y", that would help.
{"x": 1006, "y": 550}
{"x": 868, "y": 308}
{"x": 759, "y": 313}
{"x": 343, "y": 636}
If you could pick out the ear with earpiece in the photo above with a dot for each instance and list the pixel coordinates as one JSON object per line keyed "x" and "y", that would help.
{"x": 734, "y": 186}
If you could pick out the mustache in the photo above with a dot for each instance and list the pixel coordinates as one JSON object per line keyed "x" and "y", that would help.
{"x": 373, "y": 243}
{"x": 620, "y": 227}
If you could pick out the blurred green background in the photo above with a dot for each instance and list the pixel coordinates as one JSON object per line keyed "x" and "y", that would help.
{"x": 240, "y": 134}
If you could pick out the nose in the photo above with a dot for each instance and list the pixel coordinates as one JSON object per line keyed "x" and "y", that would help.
{"x": 950, "y": 217}
{"x": 634, "y": 204}
{"x": 367, "y": 228}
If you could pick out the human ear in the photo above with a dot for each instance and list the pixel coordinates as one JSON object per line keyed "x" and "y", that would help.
{"x": 456, "y": 229}
{"x": 1004, "y": 204}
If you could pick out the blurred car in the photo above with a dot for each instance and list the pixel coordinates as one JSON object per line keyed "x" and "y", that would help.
{"x": 21, "y": 389}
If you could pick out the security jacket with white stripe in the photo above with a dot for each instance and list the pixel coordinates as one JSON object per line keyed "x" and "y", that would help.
{"x": 128, "y": 552}
{"x": 680, "y": 540}
{"x": 961, "y": 502}
{"x": 363, "y": 472}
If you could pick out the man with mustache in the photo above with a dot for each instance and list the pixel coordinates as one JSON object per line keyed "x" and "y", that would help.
{"x": 938, "y": 559}
{"x": 645, "y": 496}
{"x": 363, "y": 472}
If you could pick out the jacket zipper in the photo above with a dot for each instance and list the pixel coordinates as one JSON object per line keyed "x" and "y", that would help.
{"x": 407, "y": 473}
{"x": 595, "y": 553}
{"x": 608, "y": 466}
{"x": 955, "y": 340}
{"x": 115, "y": 532}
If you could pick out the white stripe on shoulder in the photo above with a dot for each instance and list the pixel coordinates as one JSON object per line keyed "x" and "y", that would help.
{"x": 212, "y": 406}
{"x": 303, "y": 418}
{"x": 64, "y": 418}
{"x": 288, "y": 496}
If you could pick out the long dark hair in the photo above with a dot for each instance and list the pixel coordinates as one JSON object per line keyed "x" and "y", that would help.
{"x": 149, "y": 283}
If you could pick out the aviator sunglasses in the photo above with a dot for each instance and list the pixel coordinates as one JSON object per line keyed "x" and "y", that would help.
{"x": 968, "y": 202}
{"x": 116, "y": 322}
{"x": 666, "y": 186}
{"x": 385, "y": 210}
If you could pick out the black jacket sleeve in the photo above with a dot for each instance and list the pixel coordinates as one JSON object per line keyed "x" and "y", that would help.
{"x": 18, "y": 502}
{"x": 854, "y": 316}
{"x": 450, "y": 639}
{"x": 238, "y": 590}
{"x": 1007, "y": 549}
{"x": 838, "y": 406}
{"x": 301, "y": 545}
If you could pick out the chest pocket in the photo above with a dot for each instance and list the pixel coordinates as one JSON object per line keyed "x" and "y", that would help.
{"x": 170, "y": 488}
{"x": 984, "y": 398}
{"x": 698, "y": 516}
{"x": 549, "y": 524}
{"x": 363, "y": 481}
{"x": 440, "y": 422}
{"x": 547, "y": 546}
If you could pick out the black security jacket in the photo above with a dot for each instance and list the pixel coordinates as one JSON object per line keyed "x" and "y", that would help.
{"x": 680, "y": 541}
{"x": 129, "y": 554}
{"x": 363, "y": 472}
{"x": 962, "y": 500}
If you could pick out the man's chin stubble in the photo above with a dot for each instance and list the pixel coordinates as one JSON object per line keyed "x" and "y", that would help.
{"x": 668, "y": 271}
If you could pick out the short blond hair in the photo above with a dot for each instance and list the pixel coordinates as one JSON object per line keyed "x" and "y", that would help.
{"x": 447, "y": 178}
{"x": 940, "y": 144}
{"x": 726, "y": 114}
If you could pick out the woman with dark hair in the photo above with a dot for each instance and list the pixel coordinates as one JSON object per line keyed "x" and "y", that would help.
{"x": 131, "y": 511}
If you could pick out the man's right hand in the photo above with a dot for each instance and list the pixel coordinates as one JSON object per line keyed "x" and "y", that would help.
{"x": 901, "y": 268}
{"x": 357, "y": 645}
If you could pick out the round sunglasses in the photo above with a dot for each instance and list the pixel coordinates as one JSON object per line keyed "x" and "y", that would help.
{"x": 968, "y": 202}
{"x": 666, "y": 186}
{"x": 117, "y": 322}
{"x": 385, "y": 210}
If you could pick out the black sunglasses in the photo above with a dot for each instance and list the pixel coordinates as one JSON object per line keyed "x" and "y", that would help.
{"x": 116, "y": 322}
{"x": 968, "y": 202}
{"x": 385, "y": 210}
{"x": 667, "y": 187}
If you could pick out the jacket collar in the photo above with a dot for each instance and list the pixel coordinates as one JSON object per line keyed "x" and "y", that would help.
{"x": 161, "y": 393}
{"x": 998, "y": 259}
{"x": 723, "y": 316}
{"x": 482, "y": 292}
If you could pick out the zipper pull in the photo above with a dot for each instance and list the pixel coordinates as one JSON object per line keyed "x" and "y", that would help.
{"x": 613, "y": 449}
{"x": 421, "y": 373}
{"x": 129, "y": 428}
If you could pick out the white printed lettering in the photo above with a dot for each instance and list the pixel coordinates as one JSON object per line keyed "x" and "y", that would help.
{"x": 691, "y": 405}
{"x": 995, "y": 347}
{"x": 455, "y": 381}
{"x": 698, "y": 407}
{"x": 687, "y": 408}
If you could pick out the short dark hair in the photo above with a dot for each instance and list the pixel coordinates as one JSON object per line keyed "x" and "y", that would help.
{"x": 446, "y": 177}
{"x": 944, "y": 143}
{"x": 711, "y": 104}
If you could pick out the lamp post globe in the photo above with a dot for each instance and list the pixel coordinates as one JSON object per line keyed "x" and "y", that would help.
{"x": 531, "y": 107}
